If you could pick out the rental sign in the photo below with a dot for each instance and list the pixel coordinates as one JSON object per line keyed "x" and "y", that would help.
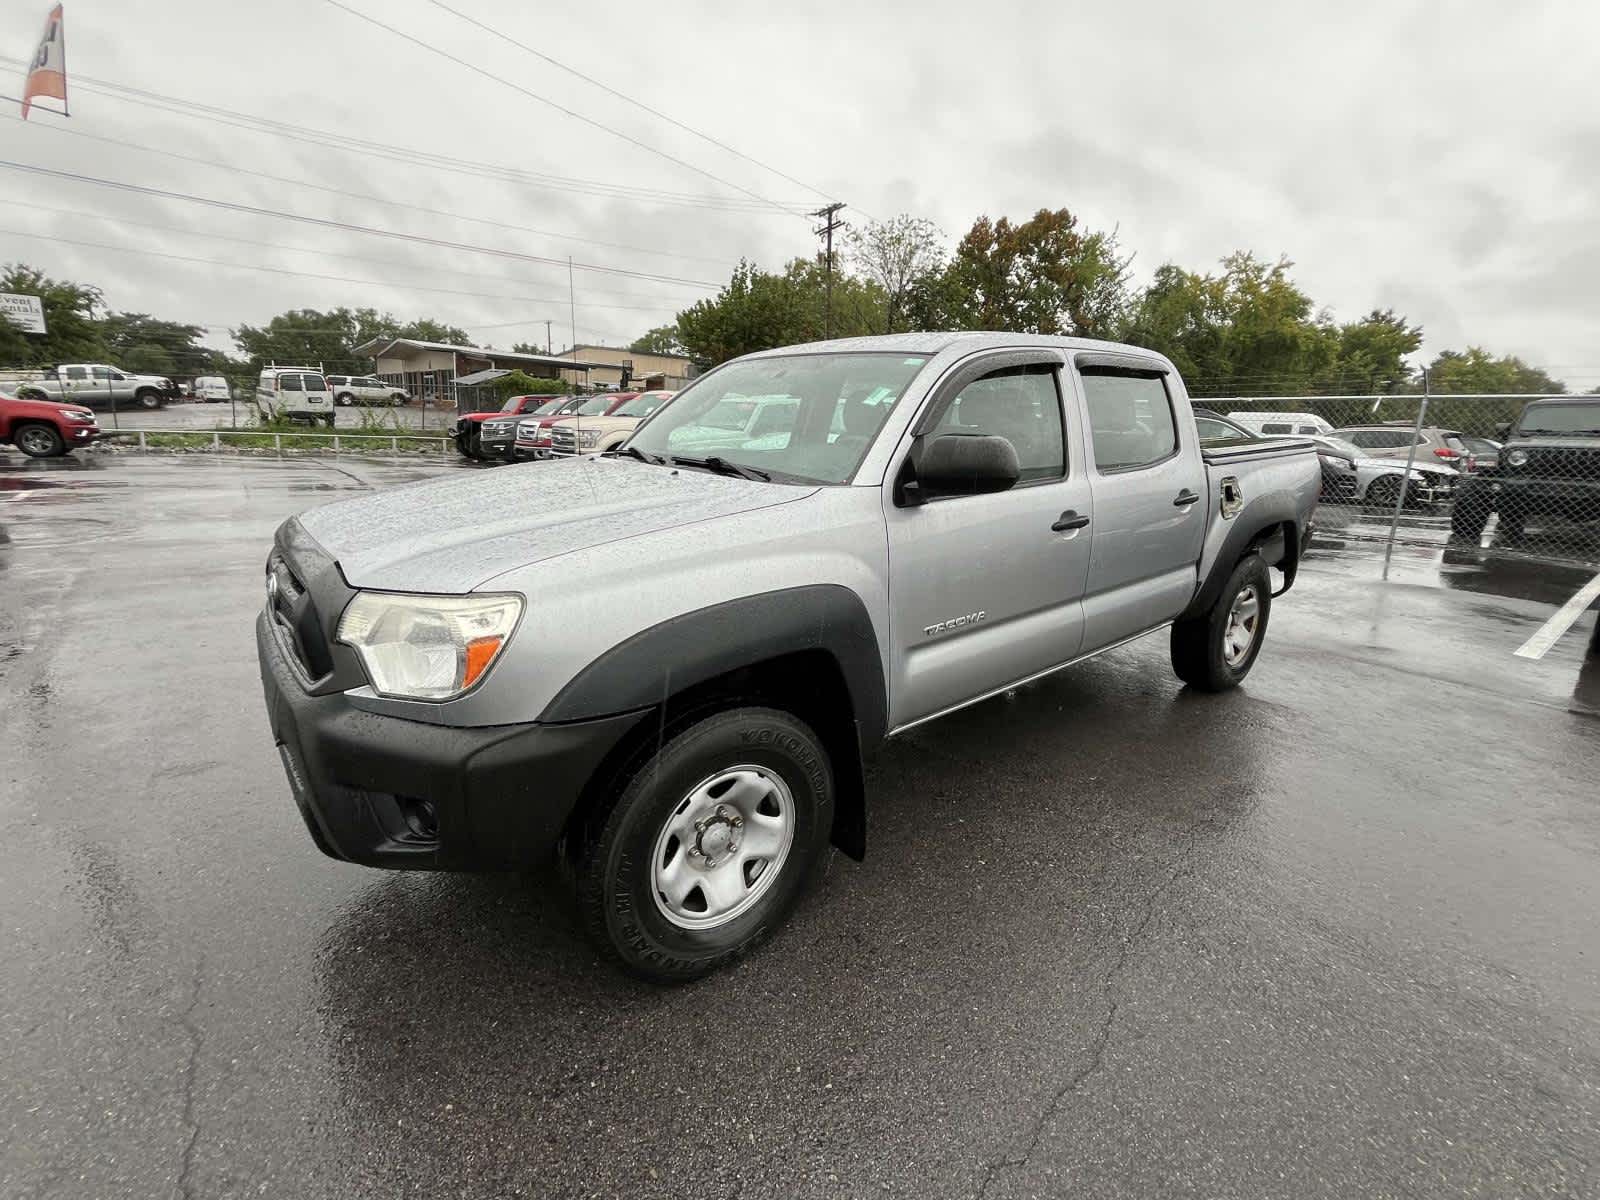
{"x": 25, "y": 312}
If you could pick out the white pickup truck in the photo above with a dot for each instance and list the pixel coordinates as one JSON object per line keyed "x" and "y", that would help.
{"x": 667, "y": 663}
{"x": 97, "y": 385}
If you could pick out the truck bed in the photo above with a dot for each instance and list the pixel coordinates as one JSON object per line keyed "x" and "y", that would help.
{"x": 1227, "y": 453}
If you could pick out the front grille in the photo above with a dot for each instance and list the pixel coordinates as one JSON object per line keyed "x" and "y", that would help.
{"x": 295, "y": 613}
{"x": 563, "y": 441}
{"x": 1562, "y": 462}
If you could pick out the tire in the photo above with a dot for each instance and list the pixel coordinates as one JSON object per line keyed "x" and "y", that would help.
{"x": 1205, "y": 650}
{"x": 1382, "y": 492}
{"x": 38, "y": 441}
{"x": 762, "y": 766}
{"x": 1473, "y": 505}
{"x": 474, "y": 448}
{"x": 345, "y": 399}
{"x": 148, "y": 399}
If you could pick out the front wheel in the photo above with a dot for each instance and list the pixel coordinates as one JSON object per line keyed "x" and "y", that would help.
{"x": 39, "y": 441}
{"x": 711, "y": 841}
{"x": 149, "y": 400}
{"x": 1215, "y": 650}
{"x": 1474, "y": 503}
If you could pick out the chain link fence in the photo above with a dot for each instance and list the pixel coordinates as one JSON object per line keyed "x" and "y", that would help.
{"x": 1491, "y": 475}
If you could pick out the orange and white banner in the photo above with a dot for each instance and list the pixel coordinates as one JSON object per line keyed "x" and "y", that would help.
{"x": 47, "y": 75}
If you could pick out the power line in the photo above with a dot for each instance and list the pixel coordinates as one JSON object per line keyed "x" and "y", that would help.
{"x": 213, "y": 262}
{"x": 577, "y": 116}
{"x": 655, "y": 112}
{"x": 225, "y": 237}
{"x": 347, "y": 226}
{"x": 411, "y": 156}
{"x": 306, "y": 183}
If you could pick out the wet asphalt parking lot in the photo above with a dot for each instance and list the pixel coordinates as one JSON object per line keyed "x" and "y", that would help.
{"x": 1334, "y": 934}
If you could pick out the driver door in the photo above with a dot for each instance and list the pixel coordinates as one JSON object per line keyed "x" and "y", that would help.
{"x": 987, "y": 590}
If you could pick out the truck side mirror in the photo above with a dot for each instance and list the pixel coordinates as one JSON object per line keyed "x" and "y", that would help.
{"x": 962, "y": 464}
{"x": 1502, "y": 429}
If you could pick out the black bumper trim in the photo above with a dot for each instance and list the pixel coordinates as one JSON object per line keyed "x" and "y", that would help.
{"x": 501, "y": 795}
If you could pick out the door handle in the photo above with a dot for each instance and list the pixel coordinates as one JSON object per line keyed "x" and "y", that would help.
{"x": 1069, "y": 520}
{"x": 1185, "y": 497}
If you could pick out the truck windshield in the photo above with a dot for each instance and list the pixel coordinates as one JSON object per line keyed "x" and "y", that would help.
{"x": 810, "y": 417}
{"x": 596, "y": 405}
{"x": 1560, "y": 418}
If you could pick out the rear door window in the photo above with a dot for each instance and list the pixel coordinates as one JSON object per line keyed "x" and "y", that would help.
{"x": 315, "y": 383}
{"x": 1130, "y": 417}
{"x": 77, "y": 373}
{"x": 1276, "y": 427}
{"x": 290, "y": 383}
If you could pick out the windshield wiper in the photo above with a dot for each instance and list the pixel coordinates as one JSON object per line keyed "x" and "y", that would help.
{"x": 635, "y": 452}
{"x": 722, "y": 466}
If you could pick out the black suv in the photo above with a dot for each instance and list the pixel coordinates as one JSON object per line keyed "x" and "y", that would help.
{"x": 1549, "y": 467}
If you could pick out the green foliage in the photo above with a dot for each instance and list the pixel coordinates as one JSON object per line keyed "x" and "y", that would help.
{"x": 71, "y": 318}
{"x": 758, "y": 310}
{"x": 663, "y": 339}
{"x": 1046, "y": 275}
{"x": 519, "y": 383}
{"x": 1476, "y": 370}
{"x": 902, "y": 256}
{"x": 1370, "y": 356}
{"x": 309, "y": 336}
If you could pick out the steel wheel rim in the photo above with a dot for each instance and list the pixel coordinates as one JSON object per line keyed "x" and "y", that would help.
{"x": 35, "y": 441}
{"x": 1244, "y": 621}
{"x": 722, "y": 847}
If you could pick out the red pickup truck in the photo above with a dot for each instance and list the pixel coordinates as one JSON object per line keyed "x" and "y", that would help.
{"x": 469, "y": 428}
{"x": 43, "y": 428}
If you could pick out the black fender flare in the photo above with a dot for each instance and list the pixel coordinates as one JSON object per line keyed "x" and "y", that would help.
{"x": 699, "y": 647}
{"x": 1275, "y": 528}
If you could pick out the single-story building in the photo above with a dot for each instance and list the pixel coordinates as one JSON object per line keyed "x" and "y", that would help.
{"x": 433, "y": 370}
{"x": 645, "y": 371}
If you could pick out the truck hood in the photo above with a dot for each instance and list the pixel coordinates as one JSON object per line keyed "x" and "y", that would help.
{"x": 451, "y": 535}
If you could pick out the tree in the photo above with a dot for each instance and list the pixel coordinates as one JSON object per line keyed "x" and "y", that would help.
{"x": 663, "y": 339}
{"x": 1370, "y": 358}
{"x": 426, "y": 329}
{"x": 1476, "y": 370}
{"x": 1248, "y": 329}
{"x": 758, "y": 310}
{"x": 1046, "y": 275}
{"x": 15, "y": 348}
{"x": 307, "y": 336}
{"x": 900, "y": 255}
{"x": 71, "y": 317}
{"x": 150, "y": 346}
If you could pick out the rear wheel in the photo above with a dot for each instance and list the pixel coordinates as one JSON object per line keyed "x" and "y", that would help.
{"x": 711, "y": 841}
{"x": 1215, "y": 651}
{"x": 39, "y": 441}
{"x": 345, "y": 399}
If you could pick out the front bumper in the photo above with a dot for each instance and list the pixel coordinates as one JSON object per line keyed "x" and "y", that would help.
{"x": 388, "y": 792}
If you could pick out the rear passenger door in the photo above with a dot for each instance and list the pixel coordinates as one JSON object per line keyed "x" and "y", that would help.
{"x": 1149, "y": 489}
{"x": 985, "y": 590}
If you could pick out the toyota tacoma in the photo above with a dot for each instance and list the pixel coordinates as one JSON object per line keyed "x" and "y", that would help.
{"x": 929, "y": 521}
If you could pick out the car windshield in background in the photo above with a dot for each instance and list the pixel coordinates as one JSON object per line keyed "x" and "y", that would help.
{"x": 596, "y": 405}
{"x": 510, "y": 406}
{"x": 805, "y": 416}
{"x": 642, "y": 406}
{"x": 545, "y": 409}
{"x": 1561, "y": 418}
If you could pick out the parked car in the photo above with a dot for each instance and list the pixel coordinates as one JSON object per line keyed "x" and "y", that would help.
{"x": 1548, "y": 469}
{"x": 98, "y": 385}
{"x": 533, "y": 435}
{"x": 1394, "y": 441}
{"x": 753, "y": 617}
{"x": 469, "y": 426}
{"x": 364, "y": 389}
{"x": 1279, "y": 423}
{"x": 295, "y": 393}
{"x": 1485, "y": 451}
{"x": 497, "y": 436}
{"x": 213, "y": 389}
{"x": 1350, "y": 476}
{"x": 583, "y": 434}
{"x": 45, "y": 428}
{"x": 1214, "y": 426}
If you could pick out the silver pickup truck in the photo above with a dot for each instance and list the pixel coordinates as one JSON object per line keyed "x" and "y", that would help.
{"x": 97, "y": 385}
{"x": 665, "y": 665}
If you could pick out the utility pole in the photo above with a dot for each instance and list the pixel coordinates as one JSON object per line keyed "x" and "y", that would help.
{"x": 548, "y": 349}
{"x": 830, "y": 222}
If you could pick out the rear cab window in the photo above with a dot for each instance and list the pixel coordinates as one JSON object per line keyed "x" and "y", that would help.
{"x": 1131, "y": 422}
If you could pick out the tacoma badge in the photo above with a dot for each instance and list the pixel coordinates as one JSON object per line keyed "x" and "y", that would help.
{"x": 953, "y": 623}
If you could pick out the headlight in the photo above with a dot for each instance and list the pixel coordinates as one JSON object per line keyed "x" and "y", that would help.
{"x": 588, "y": 437}
{"x": 73, "y": 414}
{"x": 428, "y": 647}
{"x": 1516, "y": 458}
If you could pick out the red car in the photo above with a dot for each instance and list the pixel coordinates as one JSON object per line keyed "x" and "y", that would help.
{"x": 533, "y": 437}
{"x": 469, "y": 431}
{"x": 43, "y": 428}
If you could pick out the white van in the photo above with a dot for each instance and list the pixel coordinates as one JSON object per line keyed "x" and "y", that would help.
{"x": 1275, "y": 424}
{"x": 298, "y": 393}
{"x": 211, "y": 389}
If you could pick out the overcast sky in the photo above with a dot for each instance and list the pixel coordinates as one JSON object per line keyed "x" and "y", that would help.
{"x": 1433, "y": 157}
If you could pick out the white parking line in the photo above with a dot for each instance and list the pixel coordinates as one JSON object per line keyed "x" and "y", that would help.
{"x": 1560, "y": 621}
